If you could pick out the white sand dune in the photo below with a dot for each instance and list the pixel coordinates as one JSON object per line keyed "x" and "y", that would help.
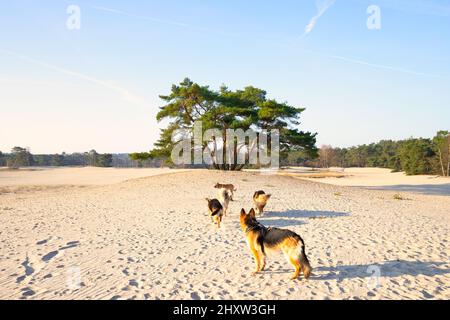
{"x": 85, "y": 176}
{"x": 384, "y": 179}
{"x": 150, "y": 238}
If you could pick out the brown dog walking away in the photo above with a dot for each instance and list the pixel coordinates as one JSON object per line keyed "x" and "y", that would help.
{"x": 260, "y": 199}
{"x": 215, "y": 211}
{"x": 224, "y": 198}
{"x": 229, "y": 187}
{"x": 262, "y": 240}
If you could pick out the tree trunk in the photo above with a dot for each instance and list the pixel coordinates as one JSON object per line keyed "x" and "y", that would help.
{"x": 448, "y": 157}
{"x": 442, "y": 162}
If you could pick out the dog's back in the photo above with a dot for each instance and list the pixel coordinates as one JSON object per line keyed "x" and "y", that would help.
{"x": 215, "y": 210}
{"x": 224, "y": 198}
{"x": 260, "y": 199}
{"x": 225, "y": 186}
{"x": 261, "y": 196}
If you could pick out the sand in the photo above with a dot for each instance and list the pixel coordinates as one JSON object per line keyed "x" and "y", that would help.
{"x": 380, "y": 179}
{"x": 150, "y": 238}
{"x": 84, "y": 176}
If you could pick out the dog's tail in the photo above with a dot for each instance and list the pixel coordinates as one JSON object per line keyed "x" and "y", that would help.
{"x": 257, "y": 194}
{"x": 225, "y": 195}
{"x": 304, "y": 262}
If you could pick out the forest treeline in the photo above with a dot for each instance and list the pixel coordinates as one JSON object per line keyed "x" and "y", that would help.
{"x": 22, "y": 157}
{"x": 413, "y": 156}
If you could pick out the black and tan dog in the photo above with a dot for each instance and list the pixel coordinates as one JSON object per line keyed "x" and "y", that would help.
{"x": 215, "y": 211}
{"x": 260, "y": 199}
{"x": 263, "y": 240}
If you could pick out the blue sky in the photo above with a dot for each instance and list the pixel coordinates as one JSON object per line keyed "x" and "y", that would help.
{"x": 97, "y": 87}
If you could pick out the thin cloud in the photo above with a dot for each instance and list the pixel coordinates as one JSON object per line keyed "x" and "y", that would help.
{"x": 162, "y": 21}
{"x": 126, "y": 94}
{"x": 322, "y": 7}
{"x": 132, "y": 15}
{"x": 380, "y": 66}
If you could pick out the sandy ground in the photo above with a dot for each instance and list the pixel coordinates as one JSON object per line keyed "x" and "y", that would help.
{"x": 150, "y": 238}
{"x": 383, "y": 179}
{"x": 80, "y": 176}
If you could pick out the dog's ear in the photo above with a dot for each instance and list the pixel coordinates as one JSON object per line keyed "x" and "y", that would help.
{"x": 252, "y": 214}
{"x": 207, "y": 199}
{"x": 243, "y": 212}
{"x": 268, "y": 196}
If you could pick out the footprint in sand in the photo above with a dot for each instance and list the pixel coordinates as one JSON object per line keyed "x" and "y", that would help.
{"x": 27, "y": 292}
{"x": 50, "y": 255}
{"x": 133, "y": 283}
{"x": 29, "y": 270}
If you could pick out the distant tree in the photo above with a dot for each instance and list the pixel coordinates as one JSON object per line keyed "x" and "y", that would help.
{"x": 20, "y": 157}
{"x": 77, "y": 159}
{"x": 441, "y": 144}
{"x": 122, "y": 160}
{"x": 298, "y": 158}
{"x": 92, "y": 158}
{"x": 2, "y": 159}
{"x": 417, "y": 156}
{"x": 140, "y": 157}
{"x": 340, "y": 158}
{"x": 42, "y": 160}
{"x": 326, "y": 156}
{"x": 357, "y": 156}
{"x": 57, "y": 160}
{"x": 104, "y": 160}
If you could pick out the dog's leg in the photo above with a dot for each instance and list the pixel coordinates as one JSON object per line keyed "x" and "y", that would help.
{"x": 263, "y": 261}
{"x": 292, "y": 258}
{"x": 260, "y": 210}
{"x": 256, "y": 257}
{"x": 296, "y": 265}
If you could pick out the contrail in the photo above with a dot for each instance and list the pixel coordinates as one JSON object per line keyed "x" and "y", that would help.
{"x": 322, "y": 7}
{"x": 161, "y": 21}
{"x": 132, "y": 15}
{"x": 126, "y": 94}
{"x": 380, "y": 66}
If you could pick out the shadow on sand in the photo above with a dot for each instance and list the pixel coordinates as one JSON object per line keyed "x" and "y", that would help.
{"x": 387, "y": 269}
{"x": 428, "y": 189}
{"x": 281, "y": 219}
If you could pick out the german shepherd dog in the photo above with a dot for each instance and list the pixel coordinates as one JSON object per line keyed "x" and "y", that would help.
{"x": 262, "y": 240}
{"x": 224, "y": 198}
{"x": 215, "y": 211}
{"x": 229, "y": 187}
{"x": 260, "y": 199}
